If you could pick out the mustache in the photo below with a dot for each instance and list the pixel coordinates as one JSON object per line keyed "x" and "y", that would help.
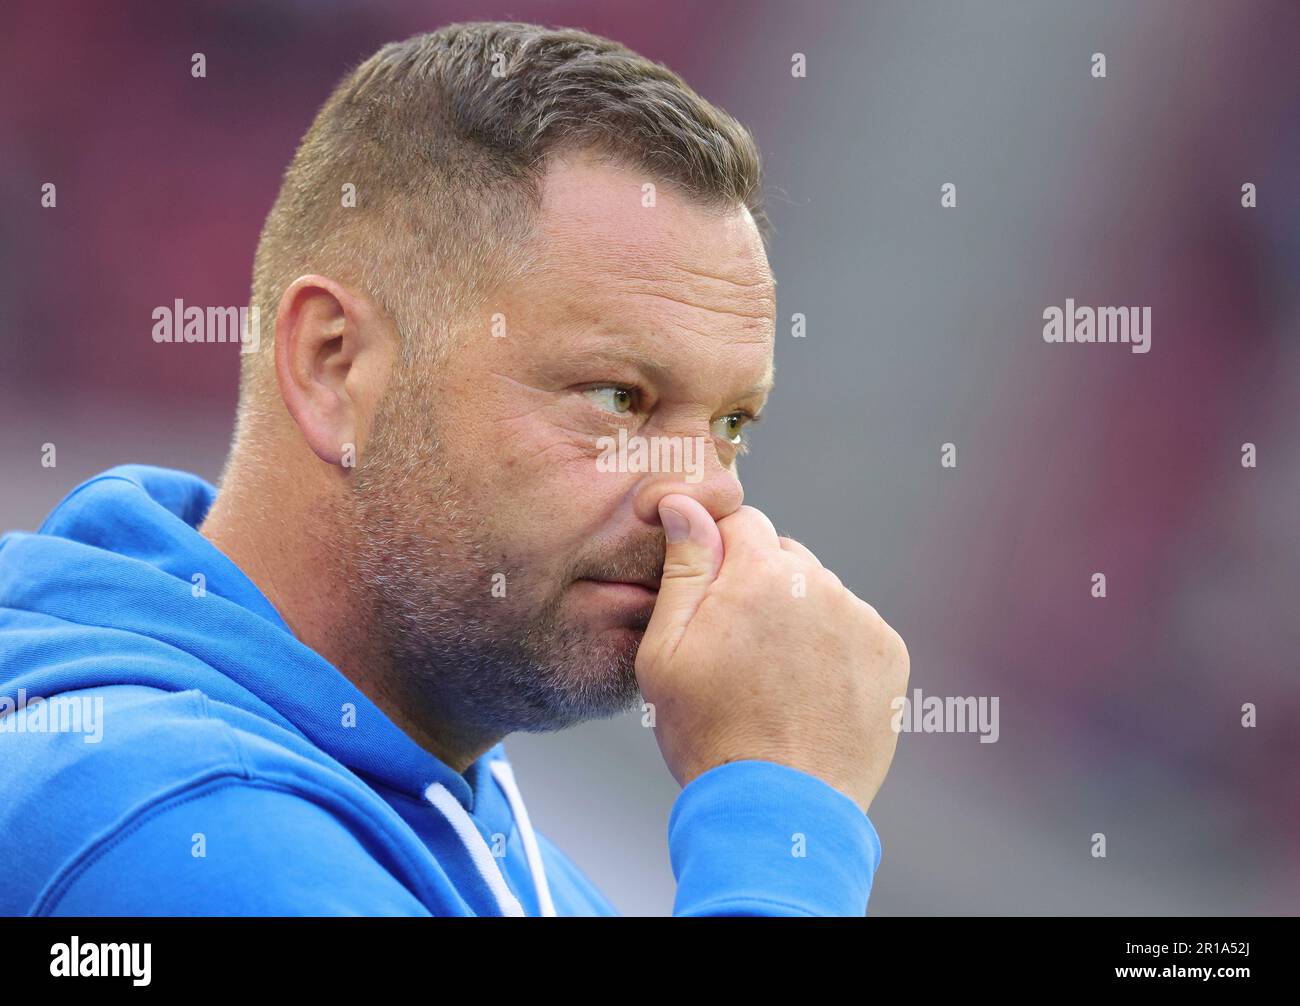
{"x": 638, "y": 559}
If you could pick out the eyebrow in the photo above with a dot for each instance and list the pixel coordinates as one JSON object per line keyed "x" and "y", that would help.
{"x": 647, "y": 364}
{"x": 764, "y": 387}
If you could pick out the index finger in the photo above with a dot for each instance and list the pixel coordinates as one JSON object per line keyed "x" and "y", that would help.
{"x": 748, "y": 527}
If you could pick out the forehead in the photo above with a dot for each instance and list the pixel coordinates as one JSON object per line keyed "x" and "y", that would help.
{"x": 602, "y": 227}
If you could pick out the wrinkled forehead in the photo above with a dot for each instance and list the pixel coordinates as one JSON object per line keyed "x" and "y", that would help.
{"x": 599, "y": 218}
{"x": 617, "y": 255}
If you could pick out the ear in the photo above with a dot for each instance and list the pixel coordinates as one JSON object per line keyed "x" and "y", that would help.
{"x": 334, "y": 351}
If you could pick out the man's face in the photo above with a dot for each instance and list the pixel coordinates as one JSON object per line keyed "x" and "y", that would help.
{"x": 491, "y": 526}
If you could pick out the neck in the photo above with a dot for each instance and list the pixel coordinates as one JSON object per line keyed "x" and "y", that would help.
{"x": 276, "y": 523}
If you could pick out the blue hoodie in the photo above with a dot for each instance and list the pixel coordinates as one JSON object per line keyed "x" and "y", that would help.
{"x": 168, "y": 747}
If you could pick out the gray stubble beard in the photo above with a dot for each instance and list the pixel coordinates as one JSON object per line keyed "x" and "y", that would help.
{"x": 454, "y": 650}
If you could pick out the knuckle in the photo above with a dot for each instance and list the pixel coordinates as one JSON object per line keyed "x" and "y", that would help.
{"x": 798, "y": 546}
{"x": 880, "y": 635}
{"x": 767, "y": 564}
{"x": 897, "y": 648}
{"x": 827, "y": 578}
{"x": 869, "y": 613}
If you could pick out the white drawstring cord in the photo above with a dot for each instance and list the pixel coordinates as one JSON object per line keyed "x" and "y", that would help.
{"x": 506, "y": 777}
{"x": 438, "y": 795}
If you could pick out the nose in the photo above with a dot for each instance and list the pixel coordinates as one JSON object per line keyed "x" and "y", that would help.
{"x": 719, "y": 491}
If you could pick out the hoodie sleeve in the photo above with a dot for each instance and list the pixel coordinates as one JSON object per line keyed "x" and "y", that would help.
{"x": 759, "y": 838}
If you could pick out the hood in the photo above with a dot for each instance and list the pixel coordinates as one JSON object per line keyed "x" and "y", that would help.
{"x": 122, "y": 552}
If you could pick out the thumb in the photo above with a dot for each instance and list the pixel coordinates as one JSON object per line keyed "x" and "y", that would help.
{"x": 691, "y": 563}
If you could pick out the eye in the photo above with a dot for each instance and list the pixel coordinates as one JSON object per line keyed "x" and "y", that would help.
{"x": 613, "y": 398}
{"x": 731, "y": 427}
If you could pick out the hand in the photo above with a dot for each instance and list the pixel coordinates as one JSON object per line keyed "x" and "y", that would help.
{"x": 756, "y": 650}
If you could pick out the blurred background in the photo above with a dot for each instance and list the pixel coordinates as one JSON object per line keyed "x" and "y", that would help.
{"x": 1119, "y": 715}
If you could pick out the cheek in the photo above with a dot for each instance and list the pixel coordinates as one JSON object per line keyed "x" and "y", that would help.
{"x": 549, "y": 503}
{"x": 536, "y": 487}
{"x": 553, "y": 472}
{"x": 565, "y": 497}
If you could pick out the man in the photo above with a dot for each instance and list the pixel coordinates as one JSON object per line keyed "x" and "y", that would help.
{"x": 499, "y": 250}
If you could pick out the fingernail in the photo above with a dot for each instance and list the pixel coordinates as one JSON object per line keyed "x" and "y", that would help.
{"x": 676, "y": 527}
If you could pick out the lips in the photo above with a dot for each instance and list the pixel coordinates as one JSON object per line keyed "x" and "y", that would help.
{"x": 651, "y": 584}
